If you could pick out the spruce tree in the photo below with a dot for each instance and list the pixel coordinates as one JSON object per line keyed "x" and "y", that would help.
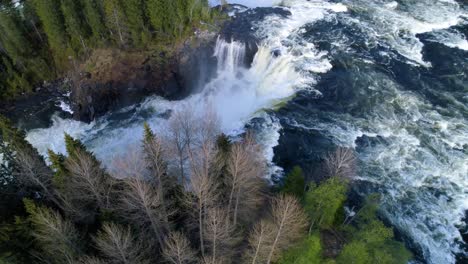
{"x": 162, "y": 16}
{"x": 12, "y": 35}
{"x": 60, "y": 171}
{"x": 58, "y": 238}
{"x": 53, "y": 24}
{"x": 76, "y": 27}
{"x": 134, "y": 12}
{"x": 93, "y": 13}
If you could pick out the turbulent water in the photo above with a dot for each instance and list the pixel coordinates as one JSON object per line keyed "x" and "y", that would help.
{"x": 388, "y": 78}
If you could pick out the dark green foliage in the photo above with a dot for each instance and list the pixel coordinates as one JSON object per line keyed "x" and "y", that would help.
{"x": 49, "y": 12}
{"x": 93, "y": 13}
{"x": 83, "y": 197}
{"x": 73, "y": 145}
{"x": 60, "y": 171}
{"x": 16, "y": 241}
{"x": 43, "y": 39}
{"x": 294, "y": 183}
{"x": 75, "y": 25}
{"x": 134, "y": 11}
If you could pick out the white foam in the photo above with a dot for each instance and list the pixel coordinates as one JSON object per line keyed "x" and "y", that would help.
{"x": 452, "y": 39}
{"x": 65, "y": 107}
{"x": 398, "y": 26}
{"x": 422, "y": 178}
{"x": 248, "y": 3}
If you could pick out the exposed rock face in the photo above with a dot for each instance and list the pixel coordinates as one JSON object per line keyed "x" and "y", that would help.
{"x": 117, "y": 79}
{"x": 243, "y": 27}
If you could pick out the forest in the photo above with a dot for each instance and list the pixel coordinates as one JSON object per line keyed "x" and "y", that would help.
{"x": 40, "y": 40}
{"x": 190, "y": 195}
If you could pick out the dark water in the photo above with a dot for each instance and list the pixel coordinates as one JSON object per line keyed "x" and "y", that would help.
{"x": 388, "y": 78}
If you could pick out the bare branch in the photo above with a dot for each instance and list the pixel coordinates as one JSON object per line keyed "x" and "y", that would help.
{"x": 131, "y": 164}
{"x": 219, "y": 236}
{"x": 119, "y": 245}
{"x": 260, "y": 242}
{"x": 270, "y": 237}
{"x": 290, "y": 222}
{"x": 141, "y": 204}
{"x": 177, "y": 250}
{"x": 33, "y": 172}
{"x": 341, "y": 163}
{"x": 245, "y": 168}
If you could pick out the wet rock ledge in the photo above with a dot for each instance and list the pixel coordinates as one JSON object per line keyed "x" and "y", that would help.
{"x": 112, "y": 79}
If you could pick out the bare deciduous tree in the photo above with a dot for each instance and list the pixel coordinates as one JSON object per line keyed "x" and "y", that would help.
{"x": 203, "y": 186}
{"x": 154, "y": 156}
{"x": 119, "y": 245}
{"x": 181, "y": 132}
{"x": 268, "y": 239}
{"x": 244, "y": 171}
{"x": 177, "y": 250}
{"x": 219, "y": 236}
{"x": 131, "y": 164}
{"x": 340, "y": 163}
{"x": 260, "y": 241}
{"x": 290, "y": 221}
{"x": 141, "y": 204}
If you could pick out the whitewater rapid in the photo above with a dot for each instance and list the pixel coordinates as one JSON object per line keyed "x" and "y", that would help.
{"x": 417, "y": 159}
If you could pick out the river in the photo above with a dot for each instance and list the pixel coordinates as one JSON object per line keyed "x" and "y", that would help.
{"x": 388, "y": 78}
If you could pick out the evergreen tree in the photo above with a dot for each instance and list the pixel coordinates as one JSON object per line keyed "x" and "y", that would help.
{"x": 162, "y": 16}
{"x": 294, "y": 183}
{"x": 53, "y": 24}
{"x": 93, "y": 13}
{"x": 75, "y": 25}
{"x": 12, "y": 35}
{"x": 60, "y": 171}
{"x": 134, "y": 12}
{"x": 74, "y": 145}
{"x": 58, "y": 238}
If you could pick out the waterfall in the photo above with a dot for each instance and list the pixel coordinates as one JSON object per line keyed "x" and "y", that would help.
{"x": 230, "y": 55}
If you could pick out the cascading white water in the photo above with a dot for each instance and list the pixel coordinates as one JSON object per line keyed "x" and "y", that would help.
{"x": 407, "y": 166}
{"x": 230, "y": 56}
{"x": 237, "y": 94}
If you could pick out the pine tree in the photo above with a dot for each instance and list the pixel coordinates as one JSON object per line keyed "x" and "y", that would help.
{"x": 73, "y": 145}
{"x": 60, "y": 170}
{"x": 294, "y": 183}
{"x": 12, "y": 35}
{"x": 93, "y": 13}
{"x": 75, "y": 26}
{"x": 162, "y": 16}
{"x": 54, "y": 26}
{"x": 58, "y": 238}
{"x": 134, "y": 12}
